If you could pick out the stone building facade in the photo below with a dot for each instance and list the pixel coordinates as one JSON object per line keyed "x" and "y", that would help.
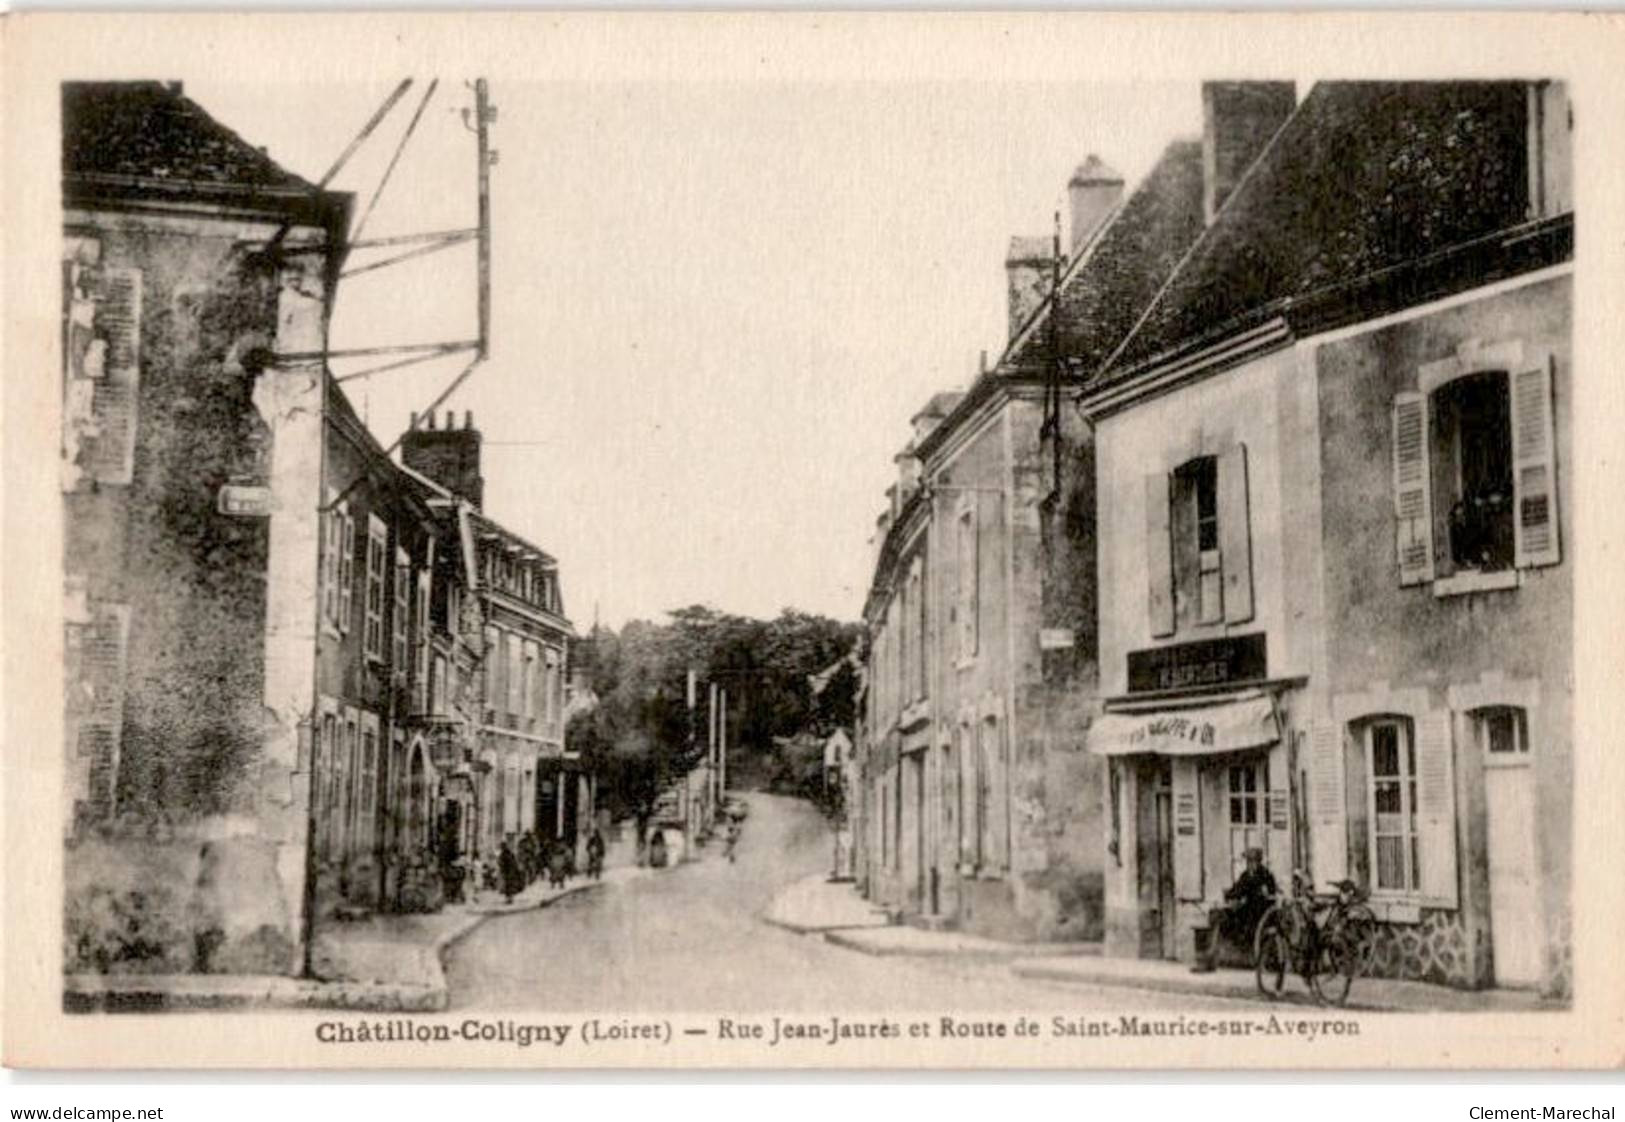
{"x": 188, "y": 259}
{"x": 1332, "y": 468}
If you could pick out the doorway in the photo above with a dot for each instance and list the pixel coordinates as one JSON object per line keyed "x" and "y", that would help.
{"x": 1509, "y": 808}
{"x": 1162, "y": 859}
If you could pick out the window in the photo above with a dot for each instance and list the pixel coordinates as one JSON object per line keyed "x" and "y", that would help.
{"x": 346, "y": 574}
{"x": 493, "y": 672}
{"x": 367, "y": 795}
{"x": 966, "y": 607}
{"x": 1199, "y": 543}
{"x": 1391, "y": 766}
{"x": 1474, "y": 486}
{"x": 338, "y": 568}
{"x": 1504, "y": 734}
{"x": 346, "y": 787}
{"x": 1246, "y": 803}
{"x": 403, "y": 602}
{"x": 532, "y": 673}
{"x": 1472, "y": 454}
{"x": 1196, "y": 537}
{"x": 421, "y": 685}
{"x": 327, "y": 750}
{"x": 377, "y": 556}
{"x": 516, "y": 675}
{"x": 917, "y": 672}
{"x": 437, "y": 687}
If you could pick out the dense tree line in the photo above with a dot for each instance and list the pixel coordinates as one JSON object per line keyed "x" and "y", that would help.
{"x": 784, "y": 677}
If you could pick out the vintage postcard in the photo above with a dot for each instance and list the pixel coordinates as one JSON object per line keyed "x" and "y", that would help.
{"x": 788, "y": 540}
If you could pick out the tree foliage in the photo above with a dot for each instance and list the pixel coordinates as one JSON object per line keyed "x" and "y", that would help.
{"x": 641, "y": 735}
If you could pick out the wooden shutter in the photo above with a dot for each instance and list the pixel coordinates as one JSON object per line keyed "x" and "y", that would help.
{"x": 1159, "y": 554}
{"x": 1436, "y": 809}
{"x": 346, "y": 571}
{"x": 1235, "y": 535}
{"x": 104, "y": 643}
{"x": 1187, "y": 792}
{"x": 333, "y": 524}
{"x": 1533, "y": 478}
{"x": 118, "y": 324}
{"x": 1413, "y": 497}
{"x": 1328, "y": 813}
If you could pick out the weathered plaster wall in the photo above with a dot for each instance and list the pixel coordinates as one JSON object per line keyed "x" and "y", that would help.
{"x": 185, "y": 869}
{"x": 1384, "y": 633}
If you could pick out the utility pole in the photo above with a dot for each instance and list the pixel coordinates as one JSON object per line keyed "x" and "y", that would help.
{"x": 484, "y": 114}
{"x": 722, "y": 742}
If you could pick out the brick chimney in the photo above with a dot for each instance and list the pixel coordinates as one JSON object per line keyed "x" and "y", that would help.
{"x": 1029, "y": 265}
{"x": 1238, "y": 120}
{"x": 1093, "y": 192}
{"x": 450, "y": 456}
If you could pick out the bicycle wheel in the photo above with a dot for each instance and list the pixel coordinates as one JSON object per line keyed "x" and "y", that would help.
{"x": 1338, "y": 964}
{"x": 1272, "y": 955}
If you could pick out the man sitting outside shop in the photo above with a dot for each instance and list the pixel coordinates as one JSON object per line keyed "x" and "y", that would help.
{"x": 1246, "y": 901}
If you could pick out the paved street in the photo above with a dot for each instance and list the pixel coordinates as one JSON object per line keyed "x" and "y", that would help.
{"x": 691, "y": 938}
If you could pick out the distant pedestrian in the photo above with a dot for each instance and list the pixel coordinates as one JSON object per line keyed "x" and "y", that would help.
{"x": 558, "y": 865}
{"x": 595, "y": 854}
{"x": 657, "y": 850}
{"x": 508, "y": 868}
{"x": 733, "y": 839}
{"x": 529, "y": 860}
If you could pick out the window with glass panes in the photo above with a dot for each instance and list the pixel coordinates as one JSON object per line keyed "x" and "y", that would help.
{"x": 1391, "y": 770}
{"x": 1247, "y": 805}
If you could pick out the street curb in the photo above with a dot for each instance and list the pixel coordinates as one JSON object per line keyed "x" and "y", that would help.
{"x": 817, "y": 928}
{"x": 846, "y": 939}
{"x": 1215, "y": 987}
{"x": 153, "y": 993}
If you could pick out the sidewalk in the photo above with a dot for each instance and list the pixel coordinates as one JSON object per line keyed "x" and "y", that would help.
{"x": 385, "y": 963}
{"x": 816, "y": 904}
{"x": 1367, "y": 994}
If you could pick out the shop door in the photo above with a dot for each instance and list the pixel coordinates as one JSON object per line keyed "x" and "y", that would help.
{"x": 1509, "y": 797}
{"x": 1167, "y": 909}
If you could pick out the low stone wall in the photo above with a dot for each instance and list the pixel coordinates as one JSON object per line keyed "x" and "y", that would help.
{"x": 175, "y": 906}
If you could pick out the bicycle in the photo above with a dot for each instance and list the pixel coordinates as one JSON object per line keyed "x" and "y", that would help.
{"x": 1329, "y": 953}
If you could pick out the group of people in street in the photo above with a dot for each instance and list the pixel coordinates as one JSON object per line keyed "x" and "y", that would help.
{"x": 521, "y": 862}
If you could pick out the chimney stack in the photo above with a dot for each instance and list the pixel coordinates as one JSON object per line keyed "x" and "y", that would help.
{"x": 449, "y": 456}
{"x": 1094, "y": 191}
{"x": 1238, "y": 121}
{"x": 1029, "y": 266}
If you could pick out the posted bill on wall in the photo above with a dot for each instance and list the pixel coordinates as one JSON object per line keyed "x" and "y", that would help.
{"x": 811, "y": 540}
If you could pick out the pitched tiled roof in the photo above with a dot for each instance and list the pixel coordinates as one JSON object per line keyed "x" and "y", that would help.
{"x": 1118, "y": 274}
{"x": 1365, "y": 176}
{"x": 151, "y": 131}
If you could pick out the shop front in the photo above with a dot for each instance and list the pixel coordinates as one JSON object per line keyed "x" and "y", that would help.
{"x": 1194, "y": 781}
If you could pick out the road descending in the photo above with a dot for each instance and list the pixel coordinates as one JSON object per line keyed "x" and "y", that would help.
{"x": 691, "y": 938}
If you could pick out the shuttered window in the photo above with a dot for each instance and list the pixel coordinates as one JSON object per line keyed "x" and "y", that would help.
{"x": 1235, "y": 534}
{"x": 377, "y": 562}
{"x": 1159, "y": 555}
{"x": 346, "y": 570}
{"x": 966, "y": 607}
{"x": 402, "y": 609}
{"x": 97, "y": 653}
{"x": 102, "y": 351}
{"x": 1475, "y": 486}
{"x": 1534, "y": 485}
{"x": 1413, "y": 512}
{"x": 1199, "y": 543}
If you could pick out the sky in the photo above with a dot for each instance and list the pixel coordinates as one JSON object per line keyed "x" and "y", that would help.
{"x": 715, "y": 306}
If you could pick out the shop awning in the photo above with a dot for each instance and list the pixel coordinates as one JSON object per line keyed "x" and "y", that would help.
{"x": 1231, "y": 726}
